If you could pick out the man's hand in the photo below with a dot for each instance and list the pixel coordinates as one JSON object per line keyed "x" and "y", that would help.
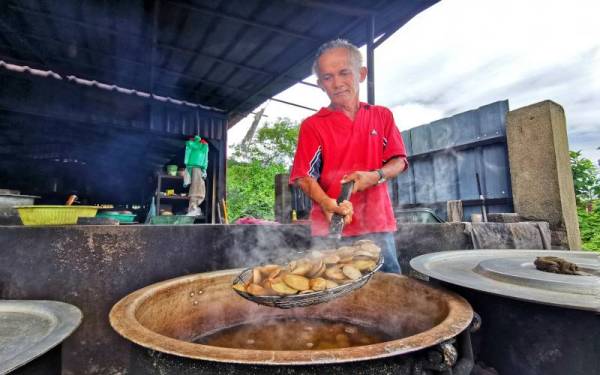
{"x": 362, "y": 180}
{"x": 330, "y": 207}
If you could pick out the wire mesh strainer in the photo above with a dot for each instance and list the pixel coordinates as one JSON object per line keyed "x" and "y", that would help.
{"x": 307, "y": 299}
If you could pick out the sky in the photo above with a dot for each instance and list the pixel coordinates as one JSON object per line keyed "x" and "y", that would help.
{"x": 462, "y": 54}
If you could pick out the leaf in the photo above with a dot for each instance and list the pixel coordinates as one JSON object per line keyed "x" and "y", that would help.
{"x": 586, "y": 180}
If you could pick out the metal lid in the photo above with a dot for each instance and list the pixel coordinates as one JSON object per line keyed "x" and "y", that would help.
{"x": 20, "y": 196}
{"x": 512, "y": 274}
{"x": 29, "y": 329}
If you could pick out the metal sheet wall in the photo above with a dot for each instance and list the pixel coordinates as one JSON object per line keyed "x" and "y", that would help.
{"x": 445, "y": 156}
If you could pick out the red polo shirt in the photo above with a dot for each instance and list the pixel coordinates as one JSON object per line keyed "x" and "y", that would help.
{"x": 330, "y": 145}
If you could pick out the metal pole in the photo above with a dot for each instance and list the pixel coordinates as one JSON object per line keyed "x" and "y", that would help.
{"x": 482, "y": 198}
{"x": 371, "y": 60}
{"x": 154, "y": 43}
{"x": 294, "y": 104}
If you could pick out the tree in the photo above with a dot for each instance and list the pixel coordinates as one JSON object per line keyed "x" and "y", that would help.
{"x": 273, "y": 144}
{"x": 587, "y": 192}
{"x": 589, "y": 227}
{"x": 585, "y": 178}
{"x": 252, "y": 168}
{"x": 251, "y": 189}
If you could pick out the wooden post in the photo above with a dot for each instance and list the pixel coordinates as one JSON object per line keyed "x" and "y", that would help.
{"x": 455, "y": 211}
{"x": 283, "y": 199}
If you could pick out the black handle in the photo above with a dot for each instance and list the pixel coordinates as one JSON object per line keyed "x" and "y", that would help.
{"x": 337, "y": 221}
{"x": 346, "y": 191}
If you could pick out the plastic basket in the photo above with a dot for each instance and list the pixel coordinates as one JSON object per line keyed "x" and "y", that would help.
{"x": 122, "y": 218}
{"x": 172, "y": 219}
{"x": 54, "y": 215}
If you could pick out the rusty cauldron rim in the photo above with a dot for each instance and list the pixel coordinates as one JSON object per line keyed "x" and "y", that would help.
{"x": 123, "y": 320}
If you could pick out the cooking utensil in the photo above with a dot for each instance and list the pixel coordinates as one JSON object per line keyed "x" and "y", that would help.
{"x": 72, "y": 199}
{"x": 337, "y": 221}
{"x": 303, "y": 300}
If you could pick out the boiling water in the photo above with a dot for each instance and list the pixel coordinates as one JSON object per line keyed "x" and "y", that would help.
{"x": 294, "y": 334}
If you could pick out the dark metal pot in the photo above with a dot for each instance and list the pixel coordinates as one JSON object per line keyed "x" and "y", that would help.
{"x": 533, "y": 322}
{"x": 164, "y": 318}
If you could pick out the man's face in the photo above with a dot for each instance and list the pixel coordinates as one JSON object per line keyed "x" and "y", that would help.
{"x": 338, "y": 77}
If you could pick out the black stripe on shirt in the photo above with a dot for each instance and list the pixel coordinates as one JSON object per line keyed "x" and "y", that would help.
{"x": 315, "y": 165}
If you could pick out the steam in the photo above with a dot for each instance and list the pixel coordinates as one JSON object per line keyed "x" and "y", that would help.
{"x": 264, "y": 244}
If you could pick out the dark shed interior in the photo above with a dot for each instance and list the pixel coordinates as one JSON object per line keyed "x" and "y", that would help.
{"x": 96, "y": 96}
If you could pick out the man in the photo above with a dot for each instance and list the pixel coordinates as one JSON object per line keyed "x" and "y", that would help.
{"x": 349, "y": 140}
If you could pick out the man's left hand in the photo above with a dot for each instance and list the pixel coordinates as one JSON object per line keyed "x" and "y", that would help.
{"x": 366, "y": 179}
{"x": 362, "y": 180}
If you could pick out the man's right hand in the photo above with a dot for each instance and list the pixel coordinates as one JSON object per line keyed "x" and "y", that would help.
{"x": 329, "y": 207}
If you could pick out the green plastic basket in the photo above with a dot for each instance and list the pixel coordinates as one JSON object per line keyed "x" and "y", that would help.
{"x": 122, "y": 218}
{"x": 54, "y": 215}
{"x": 172, "y": 219}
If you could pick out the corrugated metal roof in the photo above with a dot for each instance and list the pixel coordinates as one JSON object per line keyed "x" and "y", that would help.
{"x": 223, "y": 54}
{"x": 105, "y": 92}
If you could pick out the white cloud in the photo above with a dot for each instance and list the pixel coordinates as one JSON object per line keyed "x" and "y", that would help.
{"x": 462, "y": 54}
{"x": 410, "y": 115}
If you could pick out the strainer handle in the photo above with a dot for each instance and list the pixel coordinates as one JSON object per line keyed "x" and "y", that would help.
{"x": 337, "y": 221}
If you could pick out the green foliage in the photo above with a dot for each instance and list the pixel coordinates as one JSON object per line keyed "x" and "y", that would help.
{"x": 587, "y": 189}
{"x": 252, "y": 168}
{"x": 273, "y": 144}
{"x": 585, "y": 178}
{"x": 250, "y": 189}
{"x": 589, "y": 226}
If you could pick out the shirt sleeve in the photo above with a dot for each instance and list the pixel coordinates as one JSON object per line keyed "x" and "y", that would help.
{"x": 393, "y": 144}
{"x": 308, "y": 158}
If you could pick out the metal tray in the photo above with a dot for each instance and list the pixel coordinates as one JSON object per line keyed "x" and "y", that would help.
{"x": 29, "y": 329}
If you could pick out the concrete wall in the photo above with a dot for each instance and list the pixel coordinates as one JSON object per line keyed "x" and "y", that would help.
{"x": 92, "y": 267}
{"x": 542, "y": 182}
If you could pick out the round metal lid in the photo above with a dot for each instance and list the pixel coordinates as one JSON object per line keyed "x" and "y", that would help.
{"x": 29, "y": 329}
{"x": 512, "y": 274}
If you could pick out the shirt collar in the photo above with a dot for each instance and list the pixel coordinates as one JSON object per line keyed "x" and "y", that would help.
{"x": 324, "y": 111}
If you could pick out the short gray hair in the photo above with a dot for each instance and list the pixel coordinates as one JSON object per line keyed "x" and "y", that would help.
{"x": 356, "y": 58}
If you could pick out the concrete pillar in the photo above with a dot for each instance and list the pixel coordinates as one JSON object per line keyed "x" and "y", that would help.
{"x": 542, "y": 182}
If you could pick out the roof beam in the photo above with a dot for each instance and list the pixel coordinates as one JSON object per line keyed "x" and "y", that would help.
{"x": 347, "y": 10}
{"x": 245, "y": 21}
{"x": 155, "y": 10}
{"x": 370, "y": 36}
{"x": 294, "y": 104}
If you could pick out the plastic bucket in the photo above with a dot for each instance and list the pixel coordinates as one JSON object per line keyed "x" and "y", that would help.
{"x": 172, "y": 170}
